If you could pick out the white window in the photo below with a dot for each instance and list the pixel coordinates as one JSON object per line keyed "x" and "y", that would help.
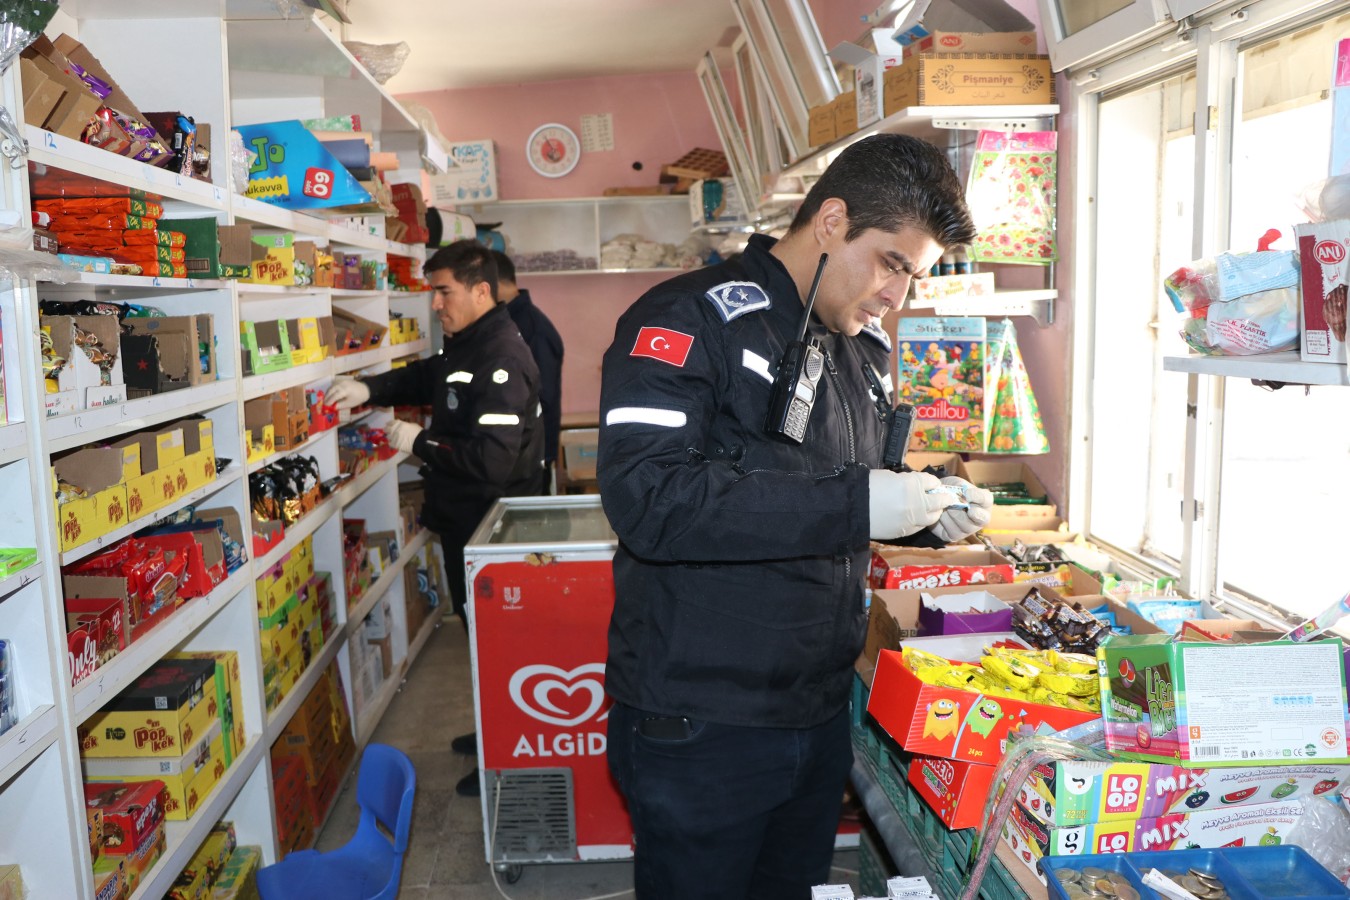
{"x": 1270, "y": 467}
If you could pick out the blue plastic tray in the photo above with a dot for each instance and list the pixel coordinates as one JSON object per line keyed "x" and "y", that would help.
{"x": 1249, "y": 873}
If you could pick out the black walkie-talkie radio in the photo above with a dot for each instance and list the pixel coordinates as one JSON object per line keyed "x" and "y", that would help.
{"x": 794, "y": 385}
{"x": 898, "y": 419}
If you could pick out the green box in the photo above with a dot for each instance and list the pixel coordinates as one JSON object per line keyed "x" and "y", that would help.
{"x": 267, "y": 347}
{"x": 1204, "y": 705}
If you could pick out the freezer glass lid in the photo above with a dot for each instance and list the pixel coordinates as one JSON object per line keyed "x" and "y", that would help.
{"x": 551, "y": 525}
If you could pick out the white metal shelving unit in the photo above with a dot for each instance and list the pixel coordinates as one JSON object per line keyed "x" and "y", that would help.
{"x": 246, "y": 64}
{"x": 1283, "y": 367}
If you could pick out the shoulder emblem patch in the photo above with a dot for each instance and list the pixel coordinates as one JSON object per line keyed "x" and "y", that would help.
{"x": 878, "y": 334}
{"x": 736, "y": 298}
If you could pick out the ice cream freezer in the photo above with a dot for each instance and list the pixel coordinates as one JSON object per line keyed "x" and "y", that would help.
{"x": 541, "y": 589}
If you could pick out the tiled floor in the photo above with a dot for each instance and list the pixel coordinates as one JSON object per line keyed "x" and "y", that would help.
{"x": 446, "y": 858}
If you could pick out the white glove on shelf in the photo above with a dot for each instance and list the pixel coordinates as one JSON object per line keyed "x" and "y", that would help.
{"x": 401, "y": 435}
{"x": 898, "y": 503}
{"x": 346, "y": 393}
{"x": 957, "y": 524}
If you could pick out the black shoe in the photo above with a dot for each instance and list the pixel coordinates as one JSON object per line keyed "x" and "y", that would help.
{"x": 466, "y": 744}
{"x": 468, "y": 785}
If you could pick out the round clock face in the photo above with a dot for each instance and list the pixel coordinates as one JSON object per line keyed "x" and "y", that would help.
{"x": 553, "y": 150}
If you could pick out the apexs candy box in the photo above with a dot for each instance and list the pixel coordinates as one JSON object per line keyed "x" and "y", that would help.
{"x": 1201, "y": 705}
{"x": 1079, "y": 792}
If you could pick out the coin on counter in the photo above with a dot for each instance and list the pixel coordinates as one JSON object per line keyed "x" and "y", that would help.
{"x": 1104, "y": 886}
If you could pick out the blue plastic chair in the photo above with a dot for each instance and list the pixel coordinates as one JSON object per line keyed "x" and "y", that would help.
{"x": 367, "y": 867}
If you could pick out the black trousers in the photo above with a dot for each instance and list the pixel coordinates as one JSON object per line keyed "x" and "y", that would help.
{"x": 730, "y": 812}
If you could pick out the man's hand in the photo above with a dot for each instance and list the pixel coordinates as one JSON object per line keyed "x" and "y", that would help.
{"x": 956, "y": 523}
{"x": 346, "y": 393}
{"x": 899, "y": 503}
{"x": 1334, "y": 310}
{"x": 401, "y": 435}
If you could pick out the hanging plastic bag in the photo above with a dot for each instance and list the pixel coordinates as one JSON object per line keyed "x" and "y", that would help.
{"x": 1011, "y": 194}
{"x": 1011, "y": 415}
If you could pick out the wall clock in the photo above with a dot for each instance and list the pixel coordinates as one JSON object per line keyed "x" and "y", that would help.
{"x": 553, "y": 150}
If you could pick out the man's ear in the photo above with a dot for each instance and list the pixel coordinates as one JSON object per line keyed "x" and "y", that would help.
{"x": 831, "y": 220}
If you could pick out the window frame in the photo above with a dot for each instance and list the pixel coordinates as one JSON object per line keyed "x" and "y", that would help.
{"x": 1211, "y": 49}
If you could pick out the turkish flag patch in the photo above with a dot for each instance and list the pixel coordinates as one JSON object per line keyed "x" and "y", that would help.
{"x": 663, "y": 344}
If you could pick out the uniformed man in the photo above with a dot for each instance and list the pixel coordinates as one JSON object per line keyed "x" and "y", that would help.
{"x": 546, "y": 345}
{"x": 739, "y": 577}
{"x": 485, "y": 439}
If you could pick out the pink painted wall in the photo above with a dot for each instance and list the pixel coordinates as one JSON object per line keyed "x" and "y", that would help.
{"x": 657, "y": 118}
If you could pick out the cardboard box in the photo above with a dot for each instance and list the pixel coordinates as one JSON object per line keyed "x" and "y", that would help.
{"x": 939, "y": 41}
{"x": 845, "y": 114}
{"x": 187, "y": 779}
{"x": 820, "y": 127}
{"x": 168, "y": 352}
{"x": 229, "y": 698}
{"x": 290, "y": 418}
{"x": 213, "y": 250}
{"x": 1031, "y": 530}
{"x": 76, "y": 105}
{"x": 103, "y": 473}
{"x": 355, "y": 334}
{"x": 1080, "y": 792}
{"x": 900, "y": 568}
{"x": 40, "y": 93}
{"x": 869, "y": 68}
{"x": 975, "y": 611}
{"x": 1264, "y": 825}
{"x": 1197, "y": 704}
{"x": 266, "y": 346}
{"x": 965, "y": 79}
{"x": 1011, "y": 516}
{"x": 1322, "y": 251}
{"x": 94, "y": 386}
{"x": 116, "y": 99}
{"x": 308, "y": 341}
{"x": 946, "y": 462}
{"x": 473, "y": 179}
{"x": 1068, "y": 580}
{"x": 133, "y": 815}
{"x": 110, "y": 878}
{"x": 164, "y": 710}
{"x": 579, "y": 448}
{"x": 238, "y": 879}
{"x": 950, "y": 723}
{"x": 159, "y": 448}
{"x": 956, "y": 791}
{"x": 96, "y": 632}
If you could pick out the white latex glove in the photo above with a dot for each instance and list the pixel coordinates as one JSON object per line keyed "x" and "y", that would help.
{"x": 346, "y": 393}
{"x": 957, "y": 524}
{"x": 401, "y": 435}
{"x": 898, "y": 503}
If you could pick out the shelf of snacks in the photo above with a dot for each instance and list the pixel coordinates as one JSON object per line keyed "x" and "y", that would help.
{"x": 314, "y": 438}
{"x": 392, "y": 571}
{"x": 260, "y": 385}
{"x": 357, "y": 486}
{"x": 277, "y": 718}
{"x": 119, "y": 172}
{"x": 13, "y": 442}
{"x": 181, "y": 839}
{"x": 191, "y": 498}
{"x": 1283, "y": 367}
{"x": 111, "y": 678}
{"x": 307, "y": 525}
{"x": 22, "y": 743}
{"x": 1036, "y": 303}
{"x": 89, "y": 426}
{"x": 271, "y": 290}
{"x": 345, "y": 294}
{"x": 269, "y": 215}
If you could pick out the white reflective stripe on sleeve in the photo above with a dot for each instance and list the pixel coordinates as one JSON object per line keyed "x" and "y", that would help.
{"x": 757, "y": 364}
{"x": 644, "y": 415}
{"x": 459, "y": 378}
{"x": 499, "y": 419}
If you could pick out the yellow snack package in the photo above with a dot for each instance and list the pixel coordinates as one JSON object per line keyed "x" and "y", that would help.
{"x": 1072, "y": 663}
{"x": 1011, "y": 670}
{"x": 1074, "y": 685}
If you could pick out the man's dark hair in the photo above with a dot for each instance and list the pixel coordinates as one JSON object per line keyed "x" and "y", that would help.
{"x": 468, "y": 261}
{"x": 889, "y": 181}
{"x": 506, "y": 270}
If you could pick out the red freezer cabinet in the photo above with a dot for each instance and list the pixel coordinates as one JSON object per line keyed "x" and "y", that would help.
{"x": 541, "y": 589}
